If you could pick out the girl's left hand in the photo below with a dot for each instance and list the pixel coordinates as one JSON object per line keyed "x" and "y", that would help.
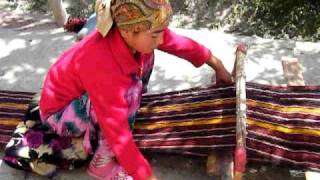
{"x": 223, "y": 77}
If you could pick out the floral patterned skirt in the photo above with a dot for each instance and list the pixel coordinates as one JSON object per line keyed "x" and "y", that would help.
{"x": 65, "y": 140}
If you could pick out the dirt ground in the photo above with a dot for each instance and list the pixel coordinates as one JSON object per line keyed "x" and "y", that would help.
{"x": 27, "y": 31}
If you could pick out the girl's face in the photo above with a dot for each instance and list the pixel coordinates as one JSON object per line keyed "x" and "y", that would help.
{"x": 145, "y": 41}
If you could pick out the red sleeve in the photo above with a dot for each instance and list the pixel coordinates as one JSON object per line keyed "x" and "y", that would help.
{"x": 184, "y": 47}
{"x": 107, "y": 90}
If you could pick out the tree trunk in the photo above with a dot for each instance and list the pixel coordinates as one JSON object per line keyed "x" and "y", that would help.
{"x": 58, "y": 11}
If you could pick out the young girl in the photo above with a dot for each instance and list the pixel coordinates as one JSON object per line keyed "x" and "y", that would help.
{"x": 95, "y": 87}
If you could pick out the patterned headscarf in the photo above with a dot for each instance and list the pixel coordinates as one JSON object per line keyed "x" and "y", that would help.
{"x": 133, "y": 15}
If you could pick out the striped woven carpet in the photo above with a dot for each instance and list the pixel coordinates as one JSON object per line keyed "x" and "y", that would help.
{"x": 13, "y": 106}
{"x": 190, "y": 121}
{"x": 283, "y": 123}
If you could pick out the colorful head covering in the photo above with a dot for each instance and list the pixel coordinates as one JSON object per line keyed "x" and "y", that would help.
{"x": 133, "y": 15}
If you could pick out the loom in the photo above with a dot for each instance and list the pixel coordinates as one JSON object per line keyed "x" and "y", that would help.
{"x": 259, "y": 123}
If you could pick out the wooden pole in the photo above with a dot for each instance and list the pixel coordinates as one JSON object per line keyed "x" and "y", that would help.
{"x": 240, "y": 154}
{"x": 221, "y": 164}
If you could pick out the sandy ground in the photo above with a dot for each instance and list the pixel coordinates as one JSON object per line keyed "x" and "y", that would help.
{"x": 29, "y": 43}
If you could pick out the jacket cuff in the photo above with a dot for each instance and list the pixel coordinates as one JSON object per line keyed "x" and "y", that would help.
{"x": 142, "y": 173}
{"x": 206, "y": 55}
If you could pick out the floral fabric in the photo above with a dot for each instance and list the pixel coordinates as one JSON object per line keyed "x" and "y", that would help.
{"x": 64, "y": 141}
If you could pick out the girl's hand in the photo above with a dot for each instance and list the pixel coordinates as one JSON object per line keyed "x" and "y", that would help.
{"x": 223, "y": 77}
{"x": 152, "y": 177}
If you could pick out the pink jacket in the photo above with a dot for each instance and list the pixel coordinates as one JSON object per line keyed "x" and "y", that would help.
{"x": 103, "y": 68}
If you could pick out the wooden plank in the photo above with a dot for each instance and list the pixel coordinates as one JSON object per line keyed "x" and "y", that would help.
{"x": 293, "y": 71}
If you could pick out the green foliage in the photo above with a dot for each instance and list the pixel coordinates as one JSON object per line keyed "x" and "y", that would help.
{"x": 80, "y": 8}
{"x": 38, "y": 5}
{"x": 298, "y": 19}
{"x": 74, "y": 8}
{"x": 277, "y": 18}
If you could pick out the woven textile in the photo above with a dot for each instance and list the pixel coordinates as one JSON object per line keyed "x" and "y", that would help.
{"x": 190, "y": 121}
{"x": 13, "y": 106}
{"x": 283, "y": 123}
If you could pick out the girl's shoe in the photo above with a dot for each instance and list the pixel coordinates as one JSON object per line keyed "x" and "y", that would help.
{"x": 103, "y": 162}
{"x": 104, "y": 166}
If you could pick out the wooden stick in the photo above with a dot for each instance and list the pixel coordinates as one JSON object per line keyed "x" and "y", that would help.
{"x": 221, "y": 164}
{"x": 240, "y": 157}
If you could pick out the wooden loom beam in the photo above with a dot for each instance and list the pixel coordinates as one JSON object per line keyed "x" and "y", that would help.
{"x": 240, "y": 154}
{"x": 221, "y": 164}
